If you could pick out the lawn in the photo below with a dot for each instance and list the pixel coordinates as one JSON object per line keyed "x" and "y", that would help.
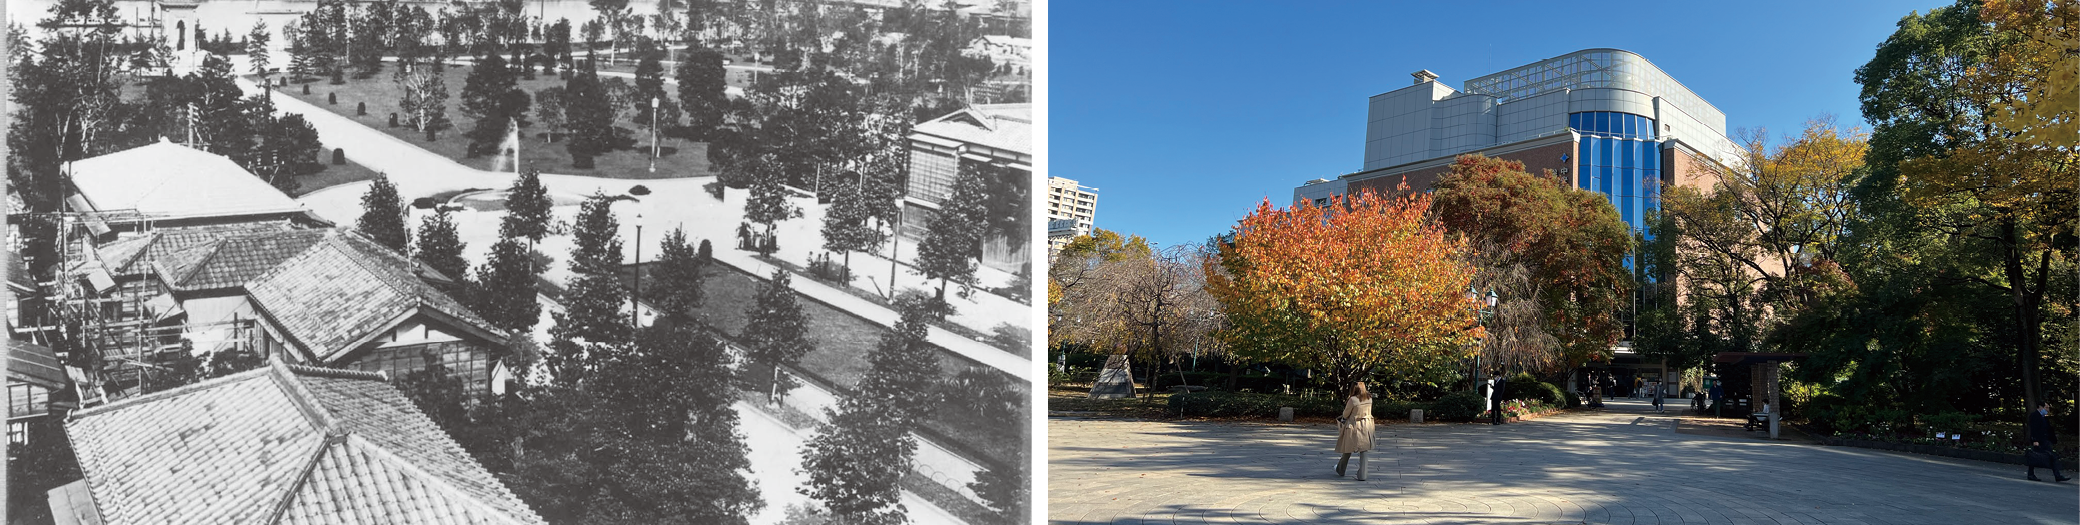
{"x": 843, "y": 343}
{"x": 334, "y": 175}
{"x": 680, "y": 158}
{"x": 1076, "y": 400}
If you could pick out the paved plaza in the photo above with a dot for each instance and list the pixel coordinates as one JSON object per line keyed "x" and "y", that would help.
{"x": 1625, "y": 464}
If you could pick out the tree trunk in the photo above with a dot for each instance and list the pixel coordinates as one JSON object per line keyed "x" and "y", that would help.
{"x": 2026, "y": 299}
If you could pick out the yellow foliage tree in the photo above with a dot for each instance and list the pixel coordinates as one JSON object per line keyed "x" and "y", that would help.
{"x": 2044, "y": 67}
{"x": 1346, "y": 288}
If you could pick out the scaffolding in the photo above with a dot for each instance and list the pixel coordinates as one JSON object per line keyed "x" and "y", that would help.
{"x": 117, "y": 313}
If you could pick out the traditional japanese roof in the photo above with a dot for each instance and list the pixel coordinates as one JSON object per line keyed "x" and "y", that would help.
{"x": 283, "y": 444}
{"x": 345, "y": 290}
{"x": 1006, "y": 127}
{"x": 34, "y": 364}
{"x": 232, "y": 261}
{"x": 170, "y": 181}
{"x": 122, "y": 255}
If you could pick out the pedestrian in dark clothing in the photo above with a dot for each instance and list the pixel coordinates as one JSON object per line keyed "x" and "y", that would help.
{"x": 1497, "y": 388}
{"x": 2041, "y": 438}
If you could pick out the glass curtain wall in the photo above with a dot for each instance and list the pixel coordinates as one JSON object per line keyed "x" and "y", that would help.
{"x": 1620, "y": 158}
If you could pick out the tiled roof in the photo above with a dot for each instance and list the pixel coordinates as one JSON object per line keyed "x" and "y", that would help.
{"x": 1001, "y": 126}
{"x": 123, "y": 254}
{"x": 170, "y": 181}
{"x": 283, "y": 444}
{"x": 234, "y": 260}
{"x": 345, "y": 289}
{"x": 34, "y": 364}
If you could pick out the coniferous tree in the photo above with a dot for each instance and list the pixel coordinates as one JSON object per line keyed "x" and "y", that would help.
{"x": 649, "y": 86}
{"x": 776, "y": 335}
{"x": 678, "y": 275}
{"x": 256, "y": 49}
{"x": 439, "y": 247}
{"x": 594, "y": 300}
{"x": 702, "y": 85}
{"x": 527, "y": 208}
{"x": 590, "y": 115}
{"x": 504, "y": 292}
{"x": 847, "y": 225}
{"x": 768, "y": 204}
{"x": 953, "y": 238}
{"x": 382, "y": 215}
{"x": 857, "y": 461}
{"x": 595, "y": 232}
{"x": 491, "y": 94}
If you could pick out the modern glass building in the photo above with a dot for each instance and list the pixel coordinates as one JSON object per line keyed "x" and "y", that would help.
{"x": 1606, "y": 119}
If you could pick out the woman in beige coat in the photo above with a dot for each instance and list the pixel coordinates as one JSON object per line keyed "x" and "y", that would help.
{"x": 1354, "y": 428}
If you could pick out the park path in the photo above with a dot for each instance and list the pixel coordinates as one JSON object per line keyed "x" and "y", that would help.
{"x": 1625, "y": 465}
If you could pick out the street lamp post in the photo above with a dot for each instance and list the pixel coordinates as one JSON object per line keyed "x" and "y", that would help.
{"x": 653, "y": 141}
{"x": 1481, "y": 311}
{"x": 635, "y": 294}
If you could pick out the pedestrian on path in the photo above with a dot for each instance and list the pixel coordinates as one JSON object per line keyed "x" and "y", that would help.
{"x": 1354, "y": 428}
{"x": 2040, "y": 440}
{"x": 1496, "y": 388}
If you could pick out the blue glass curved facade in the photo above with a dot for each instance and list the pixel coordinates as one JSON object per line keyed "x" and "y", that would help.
{"x": 1620, "y": 157}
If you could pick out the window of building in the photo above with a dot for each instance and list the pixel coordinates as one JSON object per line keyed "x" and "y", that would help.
{"x": 18, "y": 432}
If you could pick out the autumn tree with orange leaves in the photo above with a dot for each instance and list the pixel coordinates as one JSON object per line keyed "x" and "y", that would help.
{"x": 1364, "y": 283}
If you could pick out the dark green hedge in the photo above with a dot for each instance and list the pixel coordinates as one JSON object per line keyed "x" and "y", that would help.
{"x": 1457, "y": 406}
{"x": 1233, "y": 404}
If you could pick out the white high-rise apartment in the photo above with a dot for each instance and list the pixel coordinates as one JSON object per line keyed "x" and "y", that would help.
{"x": 1071, "y": 210}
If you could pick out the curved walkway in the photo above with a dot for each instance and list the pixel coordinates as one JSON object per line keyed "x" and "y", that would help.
{"x": 1598, "y": 467}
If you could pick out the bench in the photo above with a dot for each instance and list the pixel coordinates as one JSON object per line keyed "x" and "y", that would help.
{"x": 1758, "y": 421}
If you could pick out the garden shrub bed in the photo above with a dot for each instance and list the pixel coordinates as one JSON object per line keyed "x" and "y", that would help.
{"x": 2066, "y": 462}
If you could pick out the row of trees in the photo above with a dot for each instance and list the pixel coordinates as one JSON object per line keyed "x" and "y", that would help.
{"x": 1368, "y": 285}
{"x": 1927, "y": 267}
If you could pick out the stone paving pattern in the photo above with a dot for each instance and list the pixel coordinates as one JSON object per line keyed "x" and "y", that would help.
{"x": 1623, "y": 465}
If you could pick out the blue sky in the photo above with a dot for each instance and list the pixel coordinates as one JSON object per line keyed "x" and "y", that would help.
{"x": 1186, "y": 114}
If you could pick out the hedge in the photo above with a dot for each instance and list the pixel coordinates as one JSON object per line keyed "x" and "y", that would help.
{"x": 1235, "y": 404}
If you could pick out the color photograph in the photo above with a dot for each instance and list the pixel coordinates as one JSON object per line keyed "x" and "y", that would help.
{"x": 1510, "y": 262}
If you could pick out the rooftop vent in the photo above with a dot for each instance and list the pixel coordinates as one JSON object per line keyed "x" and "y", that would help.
{"x": 1424, "y": 76}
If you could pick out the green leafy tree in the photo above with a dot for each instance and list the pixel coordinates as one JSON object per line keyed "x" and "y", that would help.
{"x": 594, "y": 299}
{"x": 1555, "y": 257}
{"x": 639, "y": 444}
{"x": 856, "y": 461}
{"x": 702, "y": 85}
{"x": 439, "y": 247}
{"x": 1965, "y": 207}
{"x": 776, "y": 336}
{"x": 952, "y": 243}
{"x": 650, "y": 86}
{"x": 768, "y": 204}
{"x": 491, "y": 95}
{"x": 527, "y": 208}
{"x": 590, "y": 114}
{"x": 848, "y": 224}
{"x": 504, "y": 291}
{"x": 678, "y": 275}
{"x": 425, "y": 101}
{"x": 382, "y": 215}
{"x": 596, "y": 235}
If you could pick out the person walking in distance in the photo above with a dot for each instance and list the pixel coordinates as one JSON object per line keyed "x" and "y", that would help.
{"x": 1497, "y": 387}
{"x": 1354, "y": 428}
{"x": 2040, "y": 441}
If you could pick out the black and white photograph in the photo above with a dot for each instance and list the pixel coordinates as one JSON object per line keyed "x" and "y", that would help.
{"x": 521, "y": 261}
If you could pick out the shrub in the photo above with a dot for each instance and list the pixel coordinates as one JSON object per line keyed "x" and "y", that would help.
{"x": 360, "y": 109}
{"x": 393, "y": 120}
{"x": 639, "y": 190}
{"x": 1234, "y": 404}
{"x": 339, "y": 156}
{"x": 332, "y": 98}
{"x": 1397, "y": 409}
{"x": 1458, "y": 406}
{"x": 714, "y": 189}
{"x": 1573, "y": 400}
